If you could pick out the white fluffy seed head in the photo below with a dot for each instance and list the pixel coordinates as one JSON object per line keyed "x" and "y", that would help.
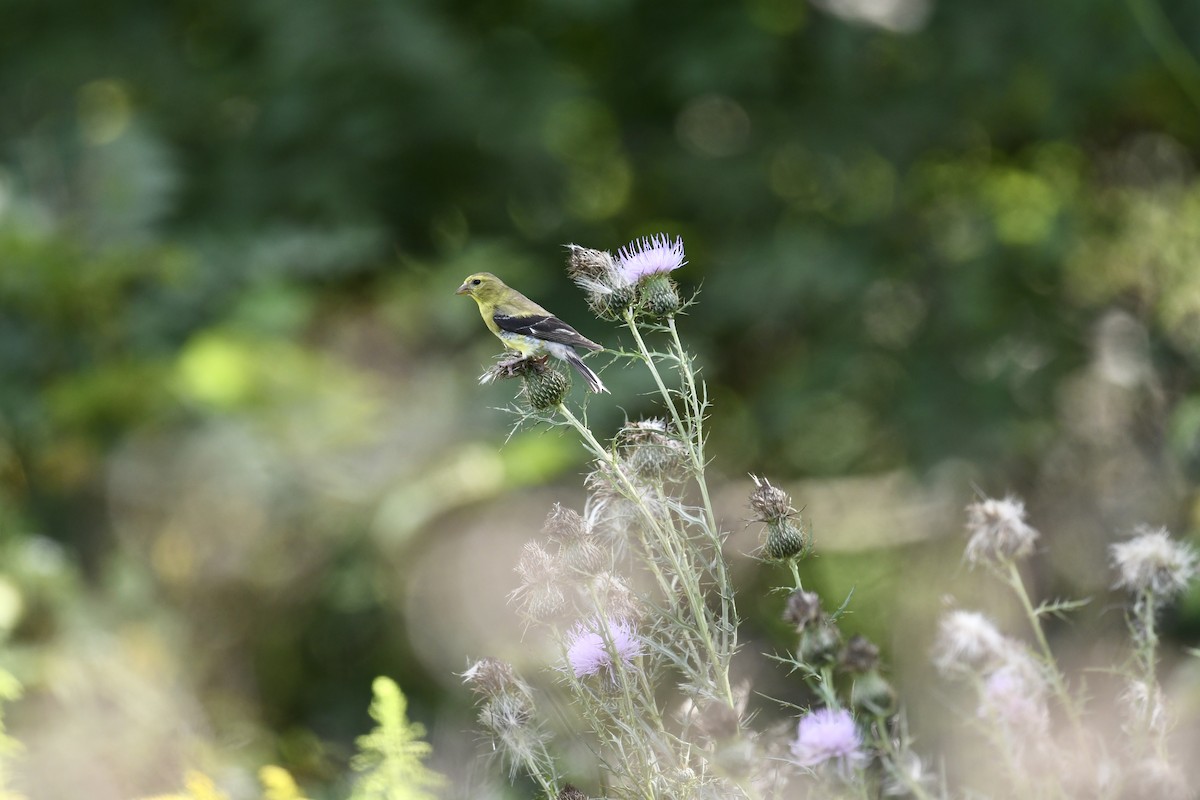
{"x": 998, "y": 531}
{"x": 967, "y": 641}
{"x": 536, "y": 565}
{"x": 540, "y": 594}
{"x": 1153, "y": 561}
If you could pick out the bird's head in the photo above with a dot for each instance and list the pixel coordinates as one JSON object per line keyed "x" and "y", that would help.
{"x": 483, "y": 286}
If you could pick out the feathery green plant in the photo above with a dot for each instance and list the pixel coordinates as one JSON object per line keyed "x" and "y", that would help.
{"x": 278, "y": 784}
{"x": 391, "y": 757}
{"x": 196, "y": 786}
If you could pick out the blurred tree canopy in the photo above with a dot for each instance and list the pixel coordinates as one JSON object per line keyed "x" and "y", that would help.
{"x": 231, "y": 364}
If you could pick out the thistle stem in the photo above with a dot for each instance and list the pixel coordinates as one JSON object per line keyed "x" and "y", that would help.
{"x": 1145, "y": 637}
{"x": 884, "y": 744}
{"x": 687, "y": 578}
{"x": 694, "y": 437}
{"x": 796, "y": 574}
{"x": 1047, "y": 656}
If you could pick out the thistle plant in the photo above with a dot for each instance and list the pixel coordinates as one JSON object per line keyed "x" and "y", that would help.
{"x": 1154, "y": 569}
{"x": 1027, "y": 708}
{"x": 634, "y": 590}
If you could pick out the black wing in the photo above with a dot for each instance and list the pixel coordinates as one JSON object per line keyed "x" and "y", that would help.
{"x": 545, "y": 327}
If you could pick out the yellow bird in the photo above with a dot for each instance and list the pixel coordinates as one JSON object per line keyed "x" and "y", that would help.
{"x": 526, "y": 327}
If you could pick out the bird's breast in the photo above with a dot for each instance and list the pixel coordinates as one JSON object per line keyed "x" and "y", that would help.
{"x": 525, "y": 345}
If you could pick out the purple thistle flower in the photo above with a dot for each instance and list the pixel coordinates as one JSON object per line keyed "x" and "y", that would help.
{"x": 588, "y": 653}
{"x": 1013, "y": 696}
{"x": 828, "y": 735}
{"x": 650, "y": 255}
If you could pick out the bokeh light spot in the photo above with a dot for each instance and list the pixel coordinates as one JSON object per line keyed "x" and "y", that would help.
{"x": 779, "y": 17}
{"x": 600, "y": 190}
{"x": 892, "y": 313}
{"x": 829, "y": 435}
{"x": 450, "y": 229}
{"x": 1024, "y": 204}
{"x": 713, "y": 126}
{"x": 213, "y": 369}
{"x": 173, "y": 556}
{"x": 791, "y": 175}
{"x": 12, "y": 605}
{"x": 104, "y": 111}
{"x": 580, "y": 129}
{"x": 897, "y": 16}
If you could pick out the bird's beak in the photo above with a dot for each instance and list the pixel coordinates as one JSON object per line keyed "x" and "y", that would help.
{"x": 464, "y": 289}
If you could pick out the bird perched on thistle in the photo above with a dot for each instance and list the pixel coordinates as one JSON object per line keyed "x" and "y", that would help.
{"x": 526, "y": 327}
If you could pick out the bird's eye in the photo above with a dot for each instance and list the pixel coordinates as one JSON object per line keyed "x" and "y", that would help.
{"x": 476, "y": 282}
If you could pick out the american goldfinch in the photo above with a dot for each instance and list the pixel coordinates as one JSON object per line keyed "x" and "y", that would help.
{"x": 526, "y": 327}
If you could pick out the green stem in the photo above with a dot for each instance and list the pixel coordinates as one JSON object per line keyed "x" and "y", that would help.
{"x": 825, "y": 690}
{"x": 694, "y": 436}
{"x": 1047, "y": 656}
{"x": 547, "y": 785}
{"x": 696, "y": 447}
{"x": 883, "y": 743}
{"x": 1145, "y": 636}
{"x": 719, "y": 664}
{"x": 631, "y": 323}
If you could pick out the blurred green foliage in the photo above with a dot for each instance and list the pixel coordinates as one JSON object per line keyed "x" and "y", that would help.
{"x": 236, "y": 393}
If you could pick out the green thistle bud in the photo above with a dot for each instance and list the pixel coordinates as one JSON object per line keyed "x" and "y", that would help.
{"x": 819, "y": 644}
{"x": 611, "y": 304}
{"x": 545, "y": 386}
{"x": 803, "y": 609}
{"x": 787, "y": 536}
{"x": 658, "y": 296}
{"x": 680, "y": 783}
{"x": 871, "y": 693}
{"x": 859, "y": 655}
{"x": 787, "y": 540}
{"x": 650, "y": 450}
{"x": 769, "y": 502}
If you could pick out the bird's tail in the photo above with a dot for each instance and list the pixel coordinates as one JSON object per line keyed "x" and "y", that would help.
{"x": 593, "y": 380}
